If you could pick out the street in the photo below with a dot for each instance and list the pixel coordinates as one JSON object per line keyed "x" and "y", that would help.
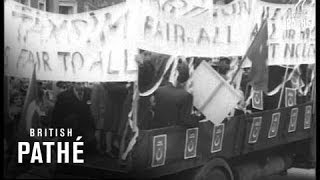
{"x": 294, "y": 174}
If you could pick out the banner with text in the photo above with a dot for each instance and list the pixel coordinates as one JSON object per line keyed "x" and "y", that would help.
{"x": 291, "y": 32}
{"x": 179, "y": 27}
{"x": 91, "y": 46}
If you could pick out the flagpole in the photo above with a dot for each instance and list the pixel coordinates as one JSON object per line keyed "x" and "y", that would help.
{"x": 283, "y": 84}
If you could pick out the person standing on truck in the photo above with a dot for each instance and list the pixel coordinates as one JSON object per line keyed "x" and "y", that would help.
{"x": 173, "y": 104}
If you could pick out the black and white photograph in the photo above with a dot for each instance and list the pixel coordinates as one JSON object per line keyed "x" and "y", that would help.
{"x": 159, "y": 89}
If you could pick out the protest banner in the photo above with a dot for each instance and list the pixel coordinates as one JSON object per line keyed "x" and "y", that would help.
{"x": 90, "y": 46}
{"x": 220, "y": 31}
{"x": 291, "y": 32}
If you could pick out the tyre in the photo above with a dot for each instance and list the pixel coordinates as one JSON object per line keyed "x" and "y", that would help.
{"x": 217, "y": 169}
{"x": 218, "y": 174}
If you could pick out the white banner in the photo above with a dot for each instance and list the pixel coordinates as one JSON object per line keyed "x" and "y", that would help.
{"x": 168, "y": 27}
{"x": 291, "y": 33}
{"x": 100, "y": 45}
{"x": 91, "y": 46}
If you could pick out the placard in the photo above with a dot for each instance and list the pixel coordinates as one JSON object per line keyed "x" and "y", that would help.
{"x": 255, "y": 130}
{"x": 291, "y": 97}
{"x": 291, "y": 32}
{"x": 257, "y": 100}
{"x": 184, "y": 28}
{"x": 210, "y": 91}
{"x": 293, "y": 120}
{"x": 274, "y": 126}
{"x": 159, "y": 150}
{"x": 217, "y": 138}
{"x": 190, "y": 149}
{"x": 307, "y": 117}
{"x": 90, "y": 46}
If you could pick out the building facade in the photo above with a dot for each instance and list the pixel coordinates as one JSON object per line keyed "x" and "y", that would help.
{"x": 69, "y": 6}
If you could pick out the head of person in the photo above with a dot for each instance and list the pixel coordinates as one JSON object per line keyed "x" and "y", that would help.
{"x": 224, "y": 65}
{"x": 182, "y": 74}
{"x": 78, "y": 86}
{"x": 16, "y": 99}
{"x": 40, "y": 95}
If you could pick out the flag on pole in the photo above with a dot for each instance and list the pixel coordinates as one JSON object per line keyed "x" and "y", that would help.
{"x": 31, "y": 96}
{"x": 258, "y": 55}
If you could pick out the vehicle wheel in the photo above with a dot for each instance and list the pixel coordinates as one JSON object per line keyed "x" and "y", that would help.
{"x": 216, "y": 169}
{"x": 218, "y": 174}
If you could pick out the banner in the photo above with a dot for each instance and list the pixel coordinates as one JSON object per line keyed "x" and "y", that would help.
{"x": 167, "y": 27}
{"x": 291, "y": 32}
{"x": 90, "y": 46}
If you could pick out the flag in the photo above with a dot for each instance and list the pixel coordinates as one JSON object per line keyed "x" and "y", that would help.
{"x": 258, "y": 55}
{"x": 31, "y": 96}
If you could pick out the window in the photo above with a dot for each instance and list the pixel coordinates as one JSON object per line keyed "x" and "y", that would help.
{"x": 25, "y": 2}
{"x": 41, "y": 6}
{"x": 66, "y": 9}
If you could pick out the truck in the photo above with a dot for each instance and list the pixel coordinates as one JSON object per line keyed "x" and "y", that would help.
{"x": 243, "y": 148}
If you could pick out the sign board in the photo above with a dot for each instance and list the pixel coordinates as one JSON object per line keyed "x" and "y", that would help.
{"x": 274, "y": 126}
{"x": 159, "y": 150}
{"x": 89, "y": 46}
{"x": 210, "y": 91}
{"x": 293, "y": 120}
{"x": 217, "y": 138}
{"x": 192, "y": 29}
{"x": 291, "y": 97}
{"x": 291, "y": 32}
{"x": 307, "y": 117}
{"x": 255, "y": 130}
{"x": 190, "y": 149}
{"x": 257, "y": 100}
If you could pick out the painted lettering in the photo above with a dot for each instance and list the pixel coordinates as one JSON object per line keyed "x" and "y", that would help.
{"x": 64, "y": 58}
{"x": 179, "y": 33}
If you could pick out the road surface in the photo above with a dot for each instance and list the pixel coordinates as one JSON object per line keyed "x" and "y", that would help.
{"x": 294, "y": 174}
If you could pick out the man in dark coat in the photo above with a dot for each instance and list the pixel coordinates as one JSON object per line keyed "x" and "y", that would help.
{"x": 173, "y": 104}
{"x": 72, "y": 111}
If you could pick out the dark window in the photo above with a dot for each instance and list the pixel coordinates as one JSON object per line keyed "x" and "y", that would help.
{"x": 41, "y": 6}
{"x": 65, "y": 9}
{"x": 25, "y": 2}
